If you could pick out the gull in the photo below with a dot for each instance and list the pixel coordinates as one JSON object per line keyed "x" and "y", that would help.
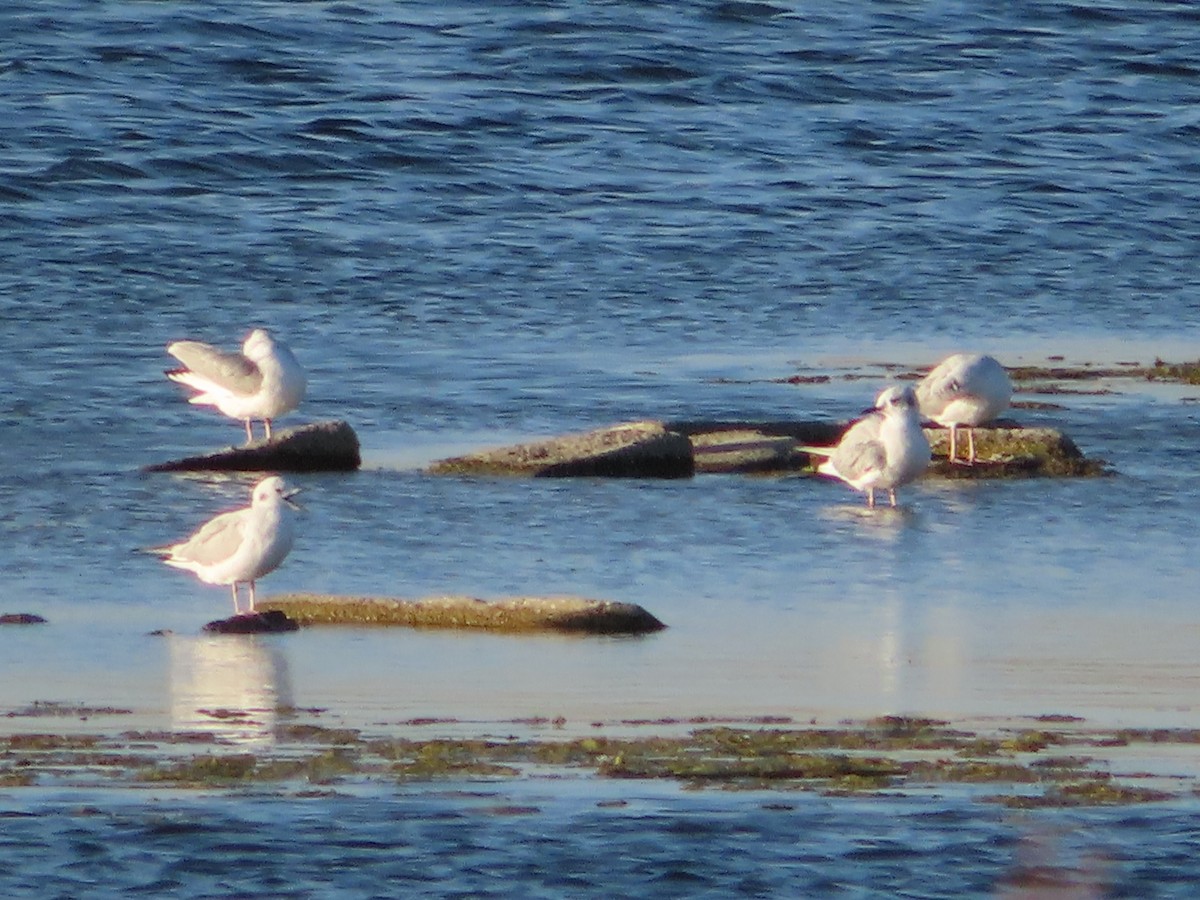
{"x": 966, "y": 389}
{"x": 241, "y": 546}
{"x": 883, "y": 450}
{"x": 262, "y": 382}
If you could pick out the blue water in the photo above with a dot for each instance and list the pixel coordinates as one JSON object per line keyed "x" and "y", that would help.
{"x": 552, "y": 843}
{"x": 476, "y": 223}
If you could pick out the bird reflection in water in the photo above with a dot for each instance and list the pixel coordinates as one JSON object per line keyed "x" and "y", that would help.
{"x": 229, "y": 686}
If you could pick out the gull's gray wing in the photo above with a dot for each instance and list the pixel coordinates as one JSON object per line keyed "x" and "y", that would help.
{"x": 231, "y": 371}
{"x": 217, "y": 540}
{"x": 856, "y": 460}
{"x": 860, "y": 450}
{"x": 936, "y": 390}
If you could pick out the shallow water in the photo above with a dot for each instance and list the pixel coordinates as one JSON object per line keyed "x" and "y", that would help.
{"x": 783, "y": 596}
{"x": 479, "y": 224}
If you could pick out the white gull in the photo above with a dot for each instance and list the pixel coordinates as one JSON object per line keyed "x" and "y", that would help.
{"x": 264, "y": 381}
{"x": 883, "y": 450}
{"x": 964, "y": 390}
{"x": 241, "y": 546}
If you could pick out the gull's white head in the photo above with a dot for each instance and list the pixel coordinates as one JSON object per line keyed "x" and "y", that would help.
{"x": 897, "y": 397}
{"x": 272, "y": 490}
{"x": 258, "y": 345}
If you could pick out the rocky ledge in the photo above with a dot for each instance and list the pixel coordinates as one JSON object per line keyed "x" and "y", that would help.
{"x": 320, "y": 447}
{"x": 632, "y": 449}
{"x": 523, "y": 614}
{"x": 651, "y": 449}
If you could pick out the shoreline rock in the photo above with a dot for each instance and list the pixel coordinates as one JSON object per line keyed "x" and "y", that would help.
{"x": 517, "y": 614}
{"x": 330, "y": 446}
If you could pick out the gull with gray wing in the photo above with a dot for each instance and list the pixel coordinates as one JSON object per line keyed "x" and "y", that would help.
{"x": 240, "y": 546}
{"x": 264, "y": 381}
{"x": 964, "y": 390}
{"x": 883, "y": 450}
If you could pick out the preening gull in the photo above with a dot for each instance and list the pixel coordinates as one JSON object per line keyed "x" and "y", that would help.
{"x": 241, "y": 546}
{"x": 883, "y": 450}
{"x": 964, "y": 390}
{"x": 264, "y": 381}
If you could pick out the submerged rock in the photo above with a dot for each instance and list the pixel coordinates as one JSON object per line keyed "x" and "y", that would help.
{"x": 267, "y": 621}
{"x": 320, "y": 447}
{"x": 630, "y": 450}
{"x": 21, "y": 619}
{"x": 567, "y": 614}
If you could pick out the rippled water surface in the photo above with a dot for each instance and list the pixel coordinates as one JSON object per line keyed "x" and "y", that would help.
{"x": 476, "y": 223}
{"x": 544, "y": 842}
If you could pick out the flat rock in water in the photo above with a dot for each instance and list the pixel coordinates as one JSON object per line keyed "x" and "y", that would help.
{"x": 683, "y": 448}
{"x": 630, "y": 450}
{"x": 748, "y": 447}
{"x": 320, "y": 447}
{"x": 267, "y": 621}
{"x": 21, "y": 619}
{"x": 1003, "y": 451}
{"x": 525, "y": 614}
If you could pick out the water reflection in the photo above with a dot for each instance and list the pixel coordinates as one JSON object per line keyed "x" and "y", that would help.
{"x": 886, "y": 522}
{"x": 231, "y": 686}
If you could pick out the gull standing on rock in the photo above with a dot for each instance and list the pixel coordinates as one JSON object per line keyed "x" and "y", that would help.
{"x": 964, "y": 390}
{"x": 883, "y": 450}
{"x": 264, "y": 381}
{"x": 241, "y": 546}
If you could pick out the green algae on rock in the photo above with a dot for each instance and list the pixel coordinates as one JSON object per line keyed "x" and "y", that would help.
{"x": 1188, "y": 373}
{"x": 1005, "y": 452}
{"x": 879, "y": 758}
{"x": 1184, "y": 373}
{"x": 319, "y": 447}
{"x": 519, "y": 614}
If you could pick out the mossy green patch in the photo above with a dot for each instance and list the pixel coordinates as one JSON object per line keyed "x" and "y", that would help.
{"x": 204, "y": 770}
{"x": 890, "y": 754}
{"x": 1086, "y": 793}
{"x": 1030, "y": 741}
{"x": 1188, "y": 373}
{"x": 575, "y": 615}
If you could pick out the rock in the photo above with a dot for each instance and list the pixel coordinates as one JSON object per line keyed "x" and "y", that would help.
{"x": 523, "y": 614}
{"x": 631, "y": 450}
{"x": 680, "y": 449}
{"x": 268, "y": 621}
{"x": 766, "y": 447}
{"x": 1011, "y": 452}
{"x": 320, "y": 447}
{"x": 21, "y": 619}
{"x": 1003, "y": 451}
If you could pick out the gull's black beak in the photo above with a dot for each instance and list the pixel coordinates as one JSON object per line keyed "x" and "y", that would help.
{"x": 287, "y": 498}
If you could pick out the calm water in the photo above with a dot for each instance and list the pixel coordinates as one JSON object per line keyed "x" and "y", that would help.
{"x": 476, "y": 223}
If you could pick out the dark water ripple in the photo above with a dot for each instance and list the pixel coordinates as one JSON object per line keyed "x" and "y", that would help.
{"x": 836, "y": 164}
{"x": 480, "y": 845}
